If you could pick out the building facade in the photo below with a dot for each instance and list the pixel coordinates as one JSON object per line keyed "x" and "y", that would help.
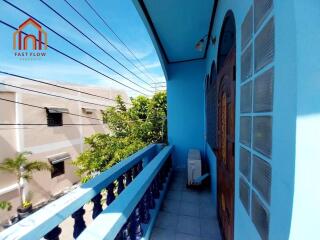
{"x": 52, "y": 128}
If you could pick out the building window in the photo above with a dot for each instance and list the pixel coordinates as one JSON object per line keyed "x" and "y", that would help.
{"x": 57, "y": 169}
{"x": 55, "y": 117}
{"x": 57, "y": 163}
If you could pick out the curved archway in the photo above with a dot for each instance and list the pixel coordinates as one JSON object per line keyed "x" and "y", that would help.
{"x": 227, "y": 38}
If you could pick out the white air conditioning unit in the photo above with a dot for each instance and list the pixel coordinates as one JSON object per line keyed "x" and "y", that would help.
{"x": 194, "y": 166}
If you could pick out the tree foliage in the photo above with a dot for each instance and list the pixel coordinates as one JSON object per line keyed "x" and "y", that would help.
{"x": 131, "y": 128}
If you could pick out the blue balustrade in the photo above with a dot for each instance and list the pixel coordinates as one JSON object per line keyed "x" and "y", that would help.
{"x": 130, "y": 216}
{"x": 45, "y": 222}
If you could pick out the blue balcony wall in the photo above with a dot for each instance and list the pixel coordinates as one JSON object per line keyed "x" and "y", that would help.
{"x": 185, "y": 88}
{"x": 306, "y": 210}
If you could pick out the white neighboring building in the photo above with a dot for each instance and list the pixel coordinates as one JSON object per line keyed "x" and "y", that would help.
{"x": 57, "y": 145}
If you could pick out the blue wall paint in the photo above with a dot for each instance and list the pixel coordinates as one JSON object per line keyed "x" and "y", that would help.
{"x": 212, "y": 161}
{"x": 306, "y": 209}
{"x": 185, "y": 109}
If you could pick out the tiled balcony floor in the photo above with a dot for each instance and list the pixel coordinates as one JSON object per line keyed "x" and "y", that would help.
{"x": 186, "y": 214}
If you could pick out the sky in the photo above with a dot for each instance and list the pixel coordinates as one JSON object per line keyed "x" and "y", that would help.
{"x": 120, "y": 15}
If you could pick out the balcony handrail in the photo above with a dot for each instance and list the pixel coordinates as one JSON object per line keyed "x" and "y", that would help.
{"x": 110, "y": 221}
{"x": 44, "y": 220}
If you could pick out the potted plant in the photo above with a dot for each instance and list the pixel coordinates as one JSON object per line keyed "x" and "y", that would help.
{"x": 23, "y": 169}
{"x": 6, "y": 206}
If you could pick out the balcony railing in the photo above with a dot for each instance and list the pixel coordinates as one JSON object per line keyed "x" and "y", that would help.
{"x": 140, "y": 183}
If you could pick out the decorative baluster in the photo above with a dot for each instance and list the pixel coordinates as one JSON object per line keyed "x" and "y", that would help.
{"x": 110, "y": 194}
{"x": 140, "y": 166}
{"x": 151, "y": 203}
{"x": 126, "y": 230}
{"x": 134, "y": 172}
{"x": 120, "y": 184}
{"x": 53, "y": 234}
{"x": 159, "y": 180}
{"x": 155, "y": 189}
{"x": 128, "y": 177}
{"x": 136, "y": 229}
{"x": 79, "y": 224}
{"x": 97, "y": 207}
{"x": 144, "y": 209}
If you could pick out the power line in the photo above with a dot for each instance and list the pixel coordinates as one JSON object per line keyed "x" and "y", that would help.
{"x": 90, "y": 55}
{"x": 97, "y": 45}
{"x": 78, "y": 61}
{"x": 105, "y": 38}
{"x": 39, "y": 107}
{"x": 59, "y": 86}
{"x": 53, "y": 95}
{"x": 124, "y": 44}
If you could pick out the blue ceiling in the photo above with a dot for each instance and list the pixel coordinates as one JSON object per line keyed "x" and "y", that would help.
{"x": 180, "y": 24}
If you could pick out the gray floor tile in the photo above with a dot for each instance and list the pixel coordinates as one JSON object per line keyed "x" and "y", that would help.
{"x": 190, "y": 196}
{"x": 167, "y": 221}
{"x": 188, "y": 225}
{"x": 209, "y": 228}
{"x": 171, "y": 206}
{"x": 207, "y": 211}
{"x": 183, "y": 236}
{"x": 174, "y": 195}
{"x": 189, "y": 209}
{"x": 162, "y": 234}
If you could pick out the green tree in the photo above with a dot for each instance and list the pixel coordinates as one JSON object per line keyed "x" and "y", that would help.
{"x": 131, "y": 128}
{"x": 23, "y": 169}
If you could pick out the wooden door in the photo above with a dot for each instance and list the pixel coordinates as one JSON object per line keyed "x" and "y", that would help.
{"x": 225, "y": 163}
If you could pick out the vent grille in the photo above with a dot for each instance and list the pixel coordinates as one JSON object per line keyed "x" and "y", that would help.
{"x": 261, "y": 177}
{"x": 246, "y": 98}
{"x": 247, "y": 29}
{"x": 260, "y": 216}
{"x": 245, "y": 130}
{"x": 244, "y": 194}
{"x": 262, "y": 8}
{"x": 245, "y": 163}
{"x": 263, "y": 92}
{"x": 246, "y": 64}
{"x": 264, "y": 46}
{"x": 262, "y": 135}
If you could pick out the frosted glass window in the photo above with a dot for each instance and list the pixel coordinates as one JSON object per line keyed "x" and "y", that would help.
{"x": 247, "y": 29}
{"x": 245, "y": 163}
{"x": 244, "y": 194}
{"x": 246, "y": 98}
{"x": 245, "y": 130}
{"x": 261, "y": 177}
{"x": 263, "y": 92}
{"x": 262, "y": 8}
{"x": 260, "y": 216}
{"x": 262, "y": 135}
{"x": 264, "y": 46}
{"x": 246, "y": 64}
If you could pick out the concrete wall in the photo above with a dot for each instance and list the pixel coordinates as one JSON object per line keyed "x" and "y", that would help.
{"x": 45, "y": 141}
{"x": 186, "y": 109}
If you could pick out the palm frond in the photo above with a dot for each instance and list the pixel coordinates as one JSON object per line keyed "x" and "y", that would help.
{"x": 37, "y": 166}
{"x": 9, "y": 165}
